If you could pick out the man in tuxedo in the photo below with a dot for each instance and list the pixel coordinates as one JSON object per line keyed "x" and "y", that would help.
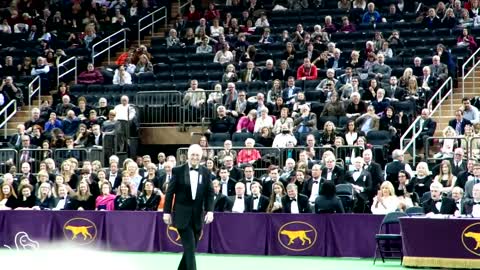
{"x": 459, "y": 122}
{"x": 457, "y": 196}
{"x": 466, "y": 175}
{"x": 427, "y": 126}
{"x": 311, "y": 188}
{"x": 436, "y": 204}
{"x": 16, "y": 140}
{"x": 472, "y": 207}
{"x": 295, "y": 203}
{"x": 161, "y": 160}
{"x": 219, "y": 200}
{"x": 165, "y": 177}
{"x": 257, "y": 203}
{"x": 238, "y": 202}
{"x": 458, "y": 164}
{"x": 273, "y": 177}
{"x": 284, "y": 72}
{"x": 373, "y": 168}
{"x": 393, "y": 168}
{"x": 193, "y": 192}
{"x": 95, "y": 139}
{"x": 26, "y": 173}
{"x": 361, "y": 181}
{"x": 289, "y": 93}
{"x": 249, "y": 178}
{"x": 332, "y": 172}
{"x": 472, "y": 181}
{"x": 234, "y": 172}
{"x": 227, "y": 184}
{"x": 311, "y": 53}
{"x": 114, "y": 175}
{"x": 250, "y": 74}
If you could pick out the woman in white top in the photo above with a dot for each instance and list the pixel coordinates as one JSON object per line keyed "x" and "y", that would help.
{"x": 216, "y": 30}
{"x": 385, "y": 202}
{"x": 121, "y": 76}
{"x": 448, "y": 144}
{"x": 224, "y": 56}
{"x": 5, "y": 193}
{"x": 264, "y": 120}
{"x": 215, "y": 97}
{"x": 445, "y": 176}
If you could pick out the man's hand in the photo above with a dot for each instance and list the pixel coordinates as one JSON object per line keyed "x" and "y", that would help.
{"x": 167, "y": 218}
{"x": 208, "y": 217}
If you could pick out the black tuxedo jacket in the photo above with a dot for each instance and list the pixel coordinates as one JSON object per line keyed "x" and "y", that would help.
{"x": 364, "y": 180}
{"x": 456, "y": 170}
{"x": 91, "y": 140}
{"x": 448, "y": 206}
{"x": 255, "y": 75}
{"x": 262, "y": 204}
{"x": 236, "y": 174}
{"x": 337, "y": 175}
{"x": 161, "y": 181}
{"x": 230, "y": 185}
{"x": 231, "y": 200}
{"x": 307, "y": 187}
{"x": 267, "y": 187}
{"x": 302, "y": 202}
{"x": 279, "y": 74}
{"x": 429, "y": 127}
{"x": 13, "y": 140}
{"x": 315, "y": 55}
{"x": 467, "y": 207}
{"x": 376, "y": 172}
{"x": 219, "y": 202}
{"x": 186, "y": 209}
{"x": 453, "y": 124}
{"x": 254, "y": 179}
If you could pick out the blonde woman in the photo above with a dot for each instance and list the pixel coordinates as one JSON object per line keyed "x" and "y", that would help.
{"x": 263, "y": 121}
{"x": 445, "y": 176}
{"x": 216, "y": 96}
{"x": 135, "y": 178}
{"x": 385, "y": 202}
{"x": 405, "y": 78}
{"x": 230, "y": 74}
{"x": 448, "y": 144}
{"x": 466, "y": 141}
{"x": 45, "y": 199}
{"x": 329, "y": 134}
{"x": 143, "y": 65}
{"x": 82, "y": 199}
{"x": 411, "y": 90}
{"x": 422, "y": 180}
{"x": 68, "y": 174}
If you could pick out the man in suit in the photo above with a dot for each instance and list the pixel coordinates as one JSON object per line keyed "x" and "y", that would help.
{"x": 257, "y": 203}
{"x": 249, "y": 178}
{"x": 25, "y": 153}
{"x": 458, "y": 164}
{"x": 219, "y": 200}
{"x": 16, "y": 140}
{"x": 466, "y": 175}
{"x": 459, "y": 122}
{"x": 345, "y": 78}
{"x": 114, "y": 175}
{"x": 234, "y": 172}
{"x": 332, "y": 172}
{"x": 361, "y": 181}
{"x": 393, "y": 92}
{"x": 284, "y": 72}
{"x": 193, "y": 192}
{"x": 165, "y": 177}
{"x": 273, "y": 177}
{"x": 227, "y": 184}
{"x": 472, "y": 207}
{"x": 438, "y": 69}
{"x": 95, "y": 139}
{"x": 311, "y": 53}
{"x": 268, "y": 73}
{"x": 290, "y": 92}
{"x": 250, "y": 74}
{"x": 427, "y": 126}
{"x": 373, "y": 168}
{"x": 26, "y": 173}
{"x": 380, "y": 70}
{"x": 393, "y": 168}
{"x": 311, "y": 188}
{"x": 238, "y": 107}
{"x": 460, "y": 200}
{"x": 238, "y": 202}
{"x": 295, "y": 203}
{"x": 427, "y": 81}
{"x": 436, "y": 204}
{"x": 472, "y": 181}
{"x": 336, "y": 62}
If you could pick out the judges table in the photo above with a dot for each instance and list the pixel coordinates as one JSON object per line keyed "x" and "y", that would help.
{"x": 340, "y": 235}
{"x": 441, "y": 242}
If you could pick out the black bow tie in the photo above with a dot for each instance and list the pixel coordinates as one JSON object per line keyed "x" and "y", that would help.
{"x": 239, "y": 197}
{"x": 293, "y": 199}
{"x": 194, "y": 169}
{"x": 255, "y": 197}
{"x": 475, "y": 203}
{"x": 438, "y": 201}
{"x": 315, "y": 181}
{"x": 356, "y": 171}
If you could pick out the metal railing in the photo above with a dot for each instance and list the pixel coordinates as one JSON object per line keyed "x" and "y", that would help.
{"x": 8, "y": 114}
{"x": 63, "y": 64}
{"x": 32, "y": 90}
{"x": 458, "y": 141}
{"x": 412, "y": 129}
{"x": 466, "y": 74}
{"x": 160, "y": 107}
{"x": 33, "y": 157}
{"x": 114, "y": 38}
{"x": 181, "y": 6}
{"x": 152, "y": 23}
{"x": 473, "y": 147}
{"x": 8, "y": 157}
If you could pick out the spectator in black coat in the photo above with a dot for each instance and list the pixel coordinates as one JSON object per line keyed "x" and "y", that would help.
{"x": 328, "y": 201}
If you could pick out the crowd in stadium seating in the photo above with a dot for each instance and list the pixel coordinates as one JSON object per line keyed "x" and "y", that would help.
{"x": 331, "y": 96}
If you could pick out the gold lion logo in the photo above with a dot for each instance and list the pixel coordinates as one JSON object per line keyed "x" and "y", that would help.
{"x": 300, "y": 235}
{"x": 81, "y": 231}
{"x": 76, "y": 230}
{"x": 293, "y": 235}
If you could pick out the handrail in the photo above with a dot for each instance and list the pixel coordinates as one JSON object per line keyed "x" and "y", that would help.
{"x": 110, "y": 46}
{"x": 472, "y": 58}
{"x": 152, "y": 24}
{"x": 413, "y": 126}
{"x": 8, "y": 116}
{"x": 68, "y": 71}
{"x": 32, "y": 91}
{"x": 181, "y": 6}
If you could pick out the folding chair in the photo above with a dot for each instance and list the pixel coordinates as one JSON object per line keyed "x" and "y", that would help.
{"x": 415, "y": 211}
{"x": 387, "y": 238}
{"x": 346, "y": 193}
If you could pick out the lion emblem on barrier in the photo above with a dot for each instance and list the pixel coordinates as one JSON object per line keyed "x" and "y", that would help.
{"x": 297, "y": 236}
{"x": 301, "y": 235}
{"x": 174, "y": 236}
{"x": 171, "y": 228}
{"x": 76, "y": 230}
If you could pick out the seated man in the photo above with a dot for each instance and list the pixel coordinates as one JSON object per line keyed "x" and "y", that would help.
{"x": 238, "y": 202}
{"x": 438, "y": 205}
{"x": 223, "y": 123}
{"x": 332, "y": 172}
{"x": 307, "y": 71}
{"x": 268, "y": 73}
{"x": 250, "y": 74}
{"x": 472, "y": 207}
{"x": 295, "y": 203}
{"x": 380, "y": 70}
{"x": 470, "y": 112}
{"x": 195, "y": 97}
{"x": 438, "y": 69}
{"x": 219, "y": 199}
{"x": 257, "y": 203}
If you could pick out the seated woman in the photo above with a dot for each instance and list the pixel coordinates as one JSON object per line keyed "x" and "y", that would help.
{"x": 275, "y": 203}
{"x": 45, "y": 199}
{"x": 207, "y": 153}
{"x": 121, "y": 76}
{"x": 421, "y": 182}
{"x": 26, "y": 199}
{"x": 385, "y": 202}
{"x": 328, "y": 135}
{"x": 82, "y": 199}
{"x": 230, "y": 74}
{"x": 105, "y": 201}
{"x": 90, "y": 76}
{"x": 448, "y": 144}
{"x": 404, "y": 193}
{"x": 263, "y": 121}
{"x": 144, "y": 65}
{"x": 247, "y": 123}
{"x": 248, "y": 154}
{"x": 328, "y": 201}
{"x": 6, "y": 192}
{"x": 445, "y": 176}
{"x": 275, "y": 92}
{"x": 148, "y": 200}
{"x": 124, "y": 200}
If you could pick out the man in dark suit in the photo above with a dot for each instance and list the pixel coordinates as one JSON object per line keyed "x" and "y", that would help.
{"x": 238, "y": 107}
{"x": 427, "y": 126}
{"x": 250, "y": 74}
{"x": 311, "y": 188}
{"x": 295, "y": 203}
{"x": 249, "y": 178}
{"x": 336, "y": 62}
{"x": 219, "y": 200}
{"x": 283, "y": 73}
{"x": 16, "y": 140}
{"x": 332, "y": 172}
{"x": 227, "y": 184}
{"x": 438, "y": 69}
{"x": 238, "y": 202}
{"x": 436, "y": 204}
{"x": 472, "y": 207}
{"x": 458, "y": 163}
{"x": 234, "y": 172}
{"x": 256, "y": 203}
{"x": 26, "y": 172}
{"x": 193, "y": 192}
{"x": 373, "y": 168}
{"x": 427, "y": 81}
{"x": 273, "y": 176}
{"x": 311, "y": 53}
{"x": 268, "y": 73}
{"x": 459, "y": 122}
{"x": 291, "y": 91}
{"x": 165, "y": 177}
{"x": 466, "y": 175}
{"x": 114, "y": 175}
{"x": 393, "y": 92}
{"x": 361, "y": 181}
{"x": 460, "y": 200}
{"x": 95, "y": 139}
{"x": 345, "y": 78}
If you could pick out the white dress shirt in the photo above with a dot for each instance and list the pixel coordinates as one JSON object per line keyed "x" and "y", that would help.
{"x": 294, "y": 206}
{"x": 124, "y": 112}
{"x": 239, "y": 205}
{"x": 194, "y": 178}
{"x": 315, "y": 190}
{"x": 256, "y": 201}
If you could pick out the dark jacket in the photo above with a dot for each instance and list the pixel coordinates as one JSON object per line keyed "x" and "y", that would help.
{"x": 302, "y": 202}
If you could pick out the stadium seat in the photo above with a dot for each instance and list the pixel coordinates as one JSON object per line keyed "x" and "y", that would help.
{"x": 217, "y": 139}
{"x": 379, "y": 137}
{"x": 238, "y": 138}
